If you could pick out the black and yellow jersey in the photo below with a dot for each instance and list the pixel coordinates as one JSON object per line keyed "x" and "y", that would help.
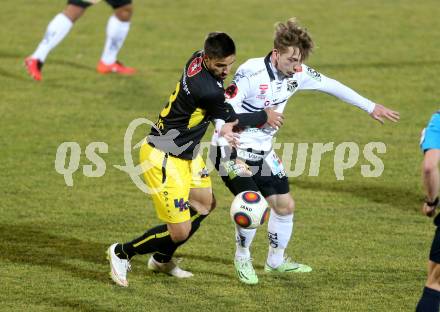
{"x": 197, "y": 99}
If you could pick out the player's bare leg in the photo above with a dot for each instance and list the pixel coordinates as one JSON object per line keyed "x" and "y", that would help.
{"x": 56, "y": 31}
{"x": 118, "y": 27}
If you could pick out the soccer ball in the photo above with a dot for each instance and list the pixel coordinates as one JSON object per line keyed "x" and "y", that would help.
{"x": 249, "y": 210}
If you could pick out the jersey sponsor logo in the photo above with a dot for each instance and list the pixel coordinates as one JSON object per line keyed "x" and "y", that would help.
{"x": 263, "y": 88}
{"x": 195, "y": 67}
{"x": 291, "y": 85}
{"x": 258, "y": 72}
{"x": 231, "y": 91}
{"x": 237, "y": 77}
{"x": 313, "y": 73}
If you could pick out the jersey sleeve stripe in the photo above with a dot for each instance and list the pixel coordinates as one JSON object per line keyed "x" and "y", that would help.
{"x": 250, "y": 106}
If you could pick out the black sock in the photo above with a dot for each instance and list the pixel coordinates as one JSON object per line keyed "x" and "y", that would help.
{"x": 156, "y": 240}
{"x": 430, "y": 301}
{"x": 195, "y": 224}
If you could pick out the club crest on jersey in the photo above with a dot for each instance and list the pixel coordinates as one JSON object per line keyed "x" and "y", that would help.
{"x": 291, "y": 85}
{"x": 195, "y": 67}
{"x": 263, "y": 88}
{"x": 231, "y": 91}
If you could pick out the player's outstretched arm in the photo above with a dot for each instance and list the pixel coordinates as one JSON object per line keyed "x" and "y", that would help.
{"x": 227, "y": 131}
{"x": 381, "y": 112}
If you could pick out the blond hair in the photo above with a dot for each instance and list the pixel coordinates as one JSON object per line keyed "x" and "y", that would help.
{"x": 290, "y": 34}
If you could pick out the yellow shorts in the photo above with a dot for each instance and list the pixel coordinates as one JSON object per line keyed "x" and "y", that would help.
{"x": 170, "y": 180}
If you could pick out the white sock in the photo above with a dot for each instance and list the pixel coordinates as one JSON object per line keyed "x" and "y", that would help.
{"x": 243, "y": 240}
{"x": 57, "y": 29}
{"x": 279, "y": 231}
{"x": 116, "y": 33}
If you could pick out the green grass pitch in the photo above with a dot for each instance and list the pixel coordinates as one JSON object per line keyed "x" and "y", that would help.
{"x": 364, "y": 237}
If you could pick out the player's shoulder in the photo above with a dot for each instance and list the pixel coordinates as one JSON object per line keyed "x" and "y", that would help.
{"x": 252, "y": 67}
{"x": 197, "y": 79}
{"x": 194, "y": 66}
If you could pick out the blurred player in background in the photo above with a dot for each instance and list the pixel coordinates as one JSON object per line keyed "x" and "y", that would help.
{"x": 118, "y": 26}
{"x": 430, "y": 145}
{"x": 265, "y": 82}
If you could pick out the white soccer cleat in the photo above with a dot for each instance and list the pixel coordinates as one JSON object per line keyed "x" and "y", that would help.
{"x": 118, "y": 267}
{"x": 170, "y": 268}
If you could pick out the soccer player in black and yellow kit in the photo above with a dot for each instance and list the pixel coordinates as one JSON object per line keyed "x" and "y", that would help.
{"x": 182, "y": 193}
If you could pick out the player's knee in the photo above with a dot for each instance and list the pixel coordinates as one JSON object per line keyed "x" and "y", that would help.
{"x": 179, "y": 232}
{"x": 429, "y": 167}
{"x": 73, "y": 12}
{"x": 203, "y": 205}
{"x": 213, "y": 203}
{"x": 179, "y": 236}
{"x": 291, "y": 206}
{"x": 124, "y": 13}
{"x": 285, "y": 208}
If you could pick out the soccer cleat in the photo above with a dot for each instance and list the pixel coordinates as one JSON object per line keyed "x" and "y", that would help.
{"x": 245, "y": 271}
{"x": 116, "y": 67}
{"x": 118, "y": 267}
{"x": 33, "y": 67}
{"x": 170, "y": 268}
{"x": 288, "y": 266}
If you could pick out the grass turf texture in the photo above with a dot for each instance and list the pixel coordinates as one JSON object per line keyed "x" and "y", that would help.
{"x": 365, "y": 238}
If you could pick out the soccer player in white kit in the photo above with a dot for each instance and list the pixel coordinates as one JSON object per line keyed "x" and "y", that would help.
{"x": 265, "y": 82}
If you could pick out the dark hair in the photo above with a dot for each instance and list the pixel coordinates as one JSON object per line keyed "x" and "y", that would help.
{"x": 219, "y": 45}
{"x": 290, "y": 34}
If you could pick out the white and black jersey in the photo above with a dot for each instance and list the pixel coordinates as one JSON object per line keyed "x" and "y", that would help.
{"x": 258, "y": 85}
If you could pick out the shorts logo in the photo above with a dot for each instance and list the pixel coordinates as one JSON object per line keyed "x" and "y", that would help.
{"x": 231, "y": 91}
{"x": 204, "y": 173}
{"x": 181, "y": 204}
{"x": 195, "y": 67}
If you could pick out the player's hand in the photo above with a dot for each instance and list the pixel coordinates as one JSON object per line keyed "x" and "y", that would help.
{"x": 242, "y": 168}
{"x": 274, "y": 119}
{"x": 380, "y": 112}
{"x": 428, "y": 211}
{"x": 227, "y": 132}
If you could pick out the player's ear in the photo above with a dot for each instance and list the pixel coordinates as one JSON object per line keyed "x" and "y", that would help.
{"x": 276, "y": 53}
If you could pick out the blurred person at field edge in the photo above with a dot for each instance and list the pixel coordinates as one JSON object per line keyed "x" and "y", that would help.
{"x": 118, "y": 26}
{"x": 269, "y": 82}
{"x": 430, "y": 145}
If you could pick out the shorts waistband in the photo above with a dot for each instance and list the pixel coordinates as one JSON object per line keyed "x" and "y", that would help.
{"x": 251, "y": 156}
